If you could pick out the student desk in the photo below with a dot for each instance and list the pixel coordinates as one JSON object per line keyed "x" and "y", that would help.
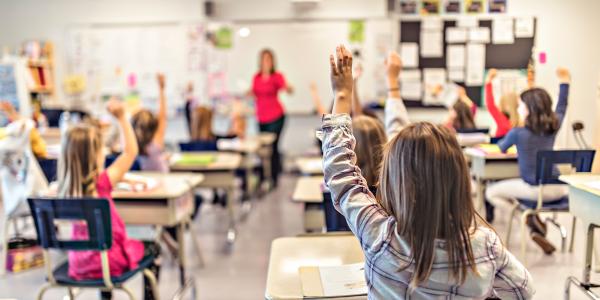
{"x": 584, "y": 203}
{"x": 490, "y": 166}
{"x": 310, "y": 165}
{"x": 290, "y": 253}
{"x": 219, "y": 173}
{"x": 308, "y": 191}
{"x": 171, "y": 203}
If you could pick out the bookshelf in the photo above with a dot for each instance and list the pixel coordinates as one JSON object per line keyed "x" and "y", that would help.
{"x": 40, "y": 63}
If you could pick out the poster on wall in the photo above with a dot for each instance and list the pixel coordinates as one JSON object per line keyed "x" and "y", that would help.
{"x": 430, "y": 7}
{"x": 13, "y": 87}
{"x": 452, "y": 6}
{"x": 474, "y": 6}
{"x": 356, "y": 31}
{"x": 408, "y": 7}
{"x": 497, "y": 6}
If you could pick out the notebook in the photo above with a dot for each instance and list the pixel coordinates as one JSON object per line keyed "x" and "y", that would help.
{"x": 136, "y": 183}
{"x": 194, "y": 159}
{"x": 333, "y": 281}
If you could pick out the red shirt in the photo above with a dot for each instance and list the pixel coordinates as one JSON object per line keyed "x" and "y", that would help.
{"x": 502, "y": 122}
{"x": 266, "y": 89}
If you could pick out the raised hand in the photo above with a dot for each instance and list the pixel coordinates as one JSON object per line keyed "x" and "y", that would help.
{"x": 491, "y": 75}
{"x": 116, "y": 108}
{"x": 160, "y": 78}
{"x": 563, "y": 74}
{"x": 393, "y": 65}
{"x": 9, "y": 110}
{"x": 341, "y": 80}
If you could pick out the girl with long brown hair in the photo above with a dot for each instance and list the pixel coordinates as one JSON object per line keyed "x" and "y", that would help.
{"x": 421, "y": 235}
{"x": 541, "y": 124}
{"x": 505, "y": 116}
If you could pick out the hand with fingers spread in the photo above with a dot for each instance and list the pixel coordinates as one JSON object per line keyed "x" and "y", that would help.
{"x": 341, "y": 80}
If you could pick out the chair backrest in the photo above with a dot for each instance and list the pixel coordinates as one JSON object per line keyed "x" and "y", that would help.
{"x": 549, "y": 163}
{"x": 49, "y": 168}
{"x": 334, "y": 221}
{"x": 199, "y": 146}
{"x": 95, "y": 212}
{"x": 473, "y": 130}
{"x": 136, "y": 166}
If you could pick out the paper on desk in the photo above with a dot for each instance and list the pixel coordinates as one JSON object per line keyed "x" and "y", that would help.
{"x": 502, "y": 31}
{"x": 479, "y": 35}
{"x": 475, "y": 64}
{"x": 344, "y": 280}
{"x": 136, "y": 183}
{"x": 410, "y": 55}
{"x": 524, "y": 27}
{"x": 455, "y": 56}
{"x": 431, "y": 43}
{"x": 456, "y": 35}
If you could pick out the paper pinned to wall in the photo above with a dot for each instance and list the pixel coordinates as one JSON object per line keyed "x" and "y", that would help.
{"x": 434, "y": 79}
{"x": 432, "y": 23}
{"x": 456, "y": 75}
{"x": 411, "y": 87}
{"x": 479, "y": 35}
{"x": 410, "y": 55}
{"x": 524, "y": 27}
{"x": 475, "y": 64}
{"x": 431, "y": 44}
{"x": 467, "y": 22}
{"x": 456, "y": 35}
{"x": 503, "y": 31}
{"x": 410, "y": 75}
{"x": 455, "y": 56}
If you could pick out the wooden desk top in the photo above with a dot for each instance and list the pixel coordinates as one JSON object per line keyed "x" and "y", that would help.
{"x": 247, "y": 145}
{"x": 308, "y": 189}
{"x": 582, "y": 181}
{"x": 290, "y": 253}
{"x": 473, "y": 152}
{"x": 170, "y": 185}
{"x": 224, "y": 161}
{"x": 310, "y": 165}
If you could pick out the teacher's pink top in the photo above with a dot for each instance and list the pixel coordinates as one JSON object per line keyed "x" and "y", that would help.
{"x": 124, "y": 254}
{"x": 266, "y": 89}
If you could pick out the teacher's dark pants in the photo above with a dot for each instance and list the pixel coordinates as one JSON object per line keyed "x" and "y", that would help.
{"x": 274, "y": 127}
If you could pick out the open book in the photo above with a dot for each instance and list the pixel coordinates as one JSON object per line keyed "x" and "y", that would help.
{"x": 333, "y": 281}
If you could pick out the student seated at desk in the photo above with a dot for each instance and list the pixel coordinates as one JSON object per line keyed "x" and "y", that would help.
{"x": 539, "y": 133}
{"x": 81, "y": 174}
{"x": 506, "y": 117}
{"x": 410, "y": 227}
{"x": 461, "y": 116}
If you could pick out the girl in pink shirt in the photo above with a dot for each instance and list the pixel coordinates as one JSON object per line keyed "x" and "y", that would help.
{"x": 266, "y": 85}
{"x": 81, "y": 174}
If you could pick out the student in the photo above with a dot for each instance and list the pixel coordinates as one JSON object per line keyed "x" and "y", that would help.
{"x": 202, "y": 119}
{"x": 461, "y": 115}
{"x": 190, "y": 103}
{"x": 539, "y": 133}
{"x": 420, "y": 241}
{"x": 81, "y": 174}
{"x": 150, "y": 133}
{"x": 38, "y": 145}
{"x": 507, "y": 116}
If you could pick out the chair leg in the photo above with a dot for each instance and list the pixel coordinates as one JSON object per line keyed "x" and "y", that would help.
{"x": 196, "y": 244}
{"x": 71, "y": 294}
{"x": 153, "y": 283}
{"x": 563, "y": 233}
{"x": 573, "y": 224}
{"x": 43, "y": 290}
{"x": 510, "y": 222}
{"x": 128, "y": 292}
{"x": 524, "y": 235}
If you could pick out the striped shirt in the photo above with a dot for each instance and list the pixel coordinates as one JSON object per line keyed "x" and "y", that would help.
{"x": 388, "y": 259}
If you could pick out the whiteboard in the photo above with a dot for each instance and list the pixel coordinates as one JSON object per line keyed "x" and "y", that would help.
{"x": 302, "y": 52}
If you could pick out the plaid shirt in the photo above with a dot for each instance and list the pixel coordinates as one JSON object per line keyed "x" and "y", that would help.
{"x": 386, "y": 252}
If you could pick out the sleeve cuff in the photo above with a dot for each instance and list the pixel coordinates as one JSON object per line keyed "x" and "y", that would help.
{"x": 336, "y": 120}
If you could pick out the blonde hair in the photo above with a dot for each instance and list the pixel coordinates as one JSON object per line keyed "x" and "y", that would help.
{"x": 78, "y": 164}
{"x": 370, "y": 139}
{"x": 202, "y": 124}
{"x": 145, "y": 125}
{"x": 508, "y": 106}
{"x": 425, "y": 185}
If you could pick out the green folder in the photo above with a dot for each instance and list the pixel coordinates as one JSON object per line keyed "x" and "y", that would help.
{"x": 196, "y": 159}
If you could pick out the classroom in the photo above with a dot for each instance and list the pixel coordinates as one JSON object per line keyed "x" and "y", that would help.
{"x": 299, "y": 149}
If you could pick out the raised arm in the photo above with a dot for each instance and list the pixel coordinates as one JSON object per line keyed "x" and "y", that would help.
{"x": 512, "y": 280}
{"x": 130, "y": 147}
{"x": 564, "y": 77}
{"x": 356, "y": 106}
{"x": 499, "y": 117}
{"x": 349, "y": 190}
{"x": 396, "y": 116}
{"x": 314, "y": 94}
{"x": 159, "y": 136}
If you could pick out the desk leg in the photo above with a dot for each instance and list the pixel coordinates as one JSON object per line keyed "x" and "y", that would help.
{"x": 266, "y": 163}
{"x": 181, "y": 252}
{"x": 480, "y": 205}
{"x": 589, "y": 251}
{"x": 231, "y": 233}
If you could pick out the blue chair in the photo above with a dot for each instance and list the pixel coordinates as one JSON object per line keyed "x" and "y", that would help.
{"x": 96, "y": 213}
{"x": 49, "y": 168}
{"x": 473, "y": 130}
{"x": 334, "y": 221}
{"x": 136, "y": 166}
{"x": 199, "y": 146}
{"x": 549, "y": 166}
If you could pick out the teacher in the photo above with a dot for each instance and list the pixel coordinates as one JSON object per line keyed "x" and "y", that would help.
{"x": 270, "y": 114}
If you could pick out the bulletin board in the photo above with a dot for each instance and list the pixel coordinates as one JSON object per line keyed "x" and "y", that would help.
{"x": 499, "y": 56}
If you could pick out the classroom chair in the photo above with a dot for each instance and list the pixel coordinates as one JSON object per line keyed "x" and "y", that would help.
{"x": 548, "y": 166}
{"x": 473, "y": 130}
{"x": 49, "y": 168}
{"x": 334, "y": 221}
{"x": 200, "y": 145}
{"x": 136, "y": 166}
{"x": 96, "y": 213}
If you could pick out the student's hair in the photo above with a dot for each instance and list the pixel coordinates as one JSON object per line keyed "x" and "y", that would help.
{"x": 508, "y": 106}
{"x": 464, "y": 117}
{"x": 78, "y": 163}
{"x": 271, "y": 54}
{"x": 370, "y": 140}
{"x": 541, "y": 119}
{"x": 145, "y": 125}
{"x": 425, "y": 185}
{"x": 202, "y": 124}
